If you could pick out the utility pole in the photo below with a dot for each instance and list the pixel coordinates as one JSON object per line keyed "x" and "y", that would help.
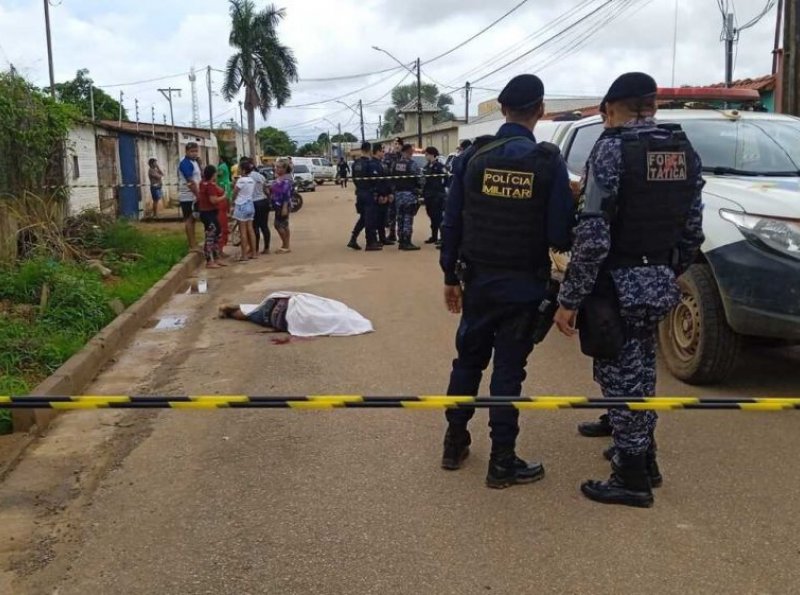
{"x": 210, "y": 104}
{"x": 153, "y": 120}
{"x": 91, "y": 100}
{"x": 419, "y": 104}
{"x": 380, "y": 126}
{"x": 466, "y": 109}
{"x": 791, "y": 59}
{"x": 340, "y": 140}
{"x": 49, "y": 48}
{"x": 136, "y": 103}
{"x": 121, "y": 95}
{"x": 361, "y": 115}
{"x": 777, "y": 46}
{"x": 729, "y": 38}
{"x": 167, "y": 93}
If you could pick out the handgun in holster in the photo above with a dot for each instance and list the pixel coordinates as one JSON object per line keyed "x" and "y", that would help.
{"x": 546, "y": 311}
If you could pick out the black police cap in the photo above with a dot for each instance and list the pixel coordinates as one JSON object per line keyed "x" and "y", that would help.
{"x": 522, "y": 92}
{"x": 631, "y": 85}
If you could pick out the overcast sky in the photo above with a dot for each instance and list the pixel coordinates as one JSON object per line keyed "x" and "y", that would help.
{"x": 132, "y": 41}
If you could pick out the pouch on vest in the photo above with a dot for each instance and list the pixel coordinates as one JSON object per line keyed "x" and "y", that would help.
{"x": 600, "y": 325}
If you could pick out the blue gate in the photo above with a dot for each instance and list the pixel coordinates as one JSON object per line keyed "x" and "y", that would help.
{"x": 129, "y": 192}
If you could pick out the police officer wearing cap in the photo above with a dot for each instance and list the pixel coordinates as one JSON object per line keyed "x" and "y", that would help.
{"x": 364, "y": 170}
{"x": 509, "y": 202}
{"x": 640, "y": 228}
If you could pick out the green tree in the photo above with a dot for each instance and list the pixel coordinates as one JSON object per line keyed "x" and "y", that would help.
{"x": 77, "y": 92}
{"x": 309, "y": 149}
{"x": 262, "y": 66}
{"x": 346, "y": 137}
{"x": 275, "y": 142}
{"x": 402, "y": 95}
{"x": 33, "y": 131}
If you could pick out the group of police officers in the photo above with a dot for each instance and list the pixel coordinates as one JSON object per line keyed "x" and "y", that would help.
{"x": 509, "y": 203}
{"x": 389, "y": 186}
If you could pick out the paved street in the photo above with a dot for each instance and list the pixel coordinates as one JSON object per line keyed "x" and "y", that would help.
{"x": 280, "y": 501}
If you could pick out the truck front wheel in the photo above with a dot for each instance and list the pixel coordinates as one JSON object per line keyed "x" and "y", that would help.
{"x": 696, "y": 342}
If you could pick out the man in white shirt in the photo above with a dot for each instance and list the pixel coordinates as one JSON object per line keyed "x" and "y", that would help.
{"x": 189, "y": 175}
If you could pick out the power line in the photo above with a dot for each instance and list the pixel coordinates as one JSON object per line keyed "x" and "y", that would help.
{"x": 155, "y": 80}
{"x": 478, "y": 34}
{"x": 520, "y": 44}
{"x": 548, "y": 40}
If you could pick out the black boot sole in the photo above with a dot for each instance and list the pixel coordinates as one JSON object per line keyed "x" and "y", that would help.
{"x": 643, "y": 501}
{"x": 503, "y": 483}
{"x": 453, "y": 464}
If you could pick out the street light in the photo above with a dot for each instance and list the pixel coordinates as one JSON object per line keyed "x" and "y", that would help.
{"x": 419, "y": 90}
{"x": 339, "y": 128}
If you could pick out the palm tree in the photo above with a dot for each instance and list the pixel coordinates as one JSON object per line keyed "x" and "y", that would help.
{"x": 262, "y": 65}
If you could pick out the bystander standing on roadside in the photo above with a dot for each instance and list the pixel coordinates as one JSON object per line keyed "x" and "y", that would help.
{"x": 281, "y": 197}
{"x": 188, "y": 185}
{"x": 226, "y": 183}
{"x": 208, "y": 197}
{"x": 261, "y": 204}
{"x": 156, "y": 184}
{"x": 244, "y": 211}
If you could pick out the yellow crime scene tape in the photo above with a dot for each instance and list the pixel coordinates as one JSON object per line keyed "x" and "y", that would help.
{"x": 423, "y": 402}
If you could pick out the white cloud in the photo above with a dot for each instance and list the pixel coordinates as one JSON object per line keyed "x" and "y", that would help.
{"x": 123, "y": 42}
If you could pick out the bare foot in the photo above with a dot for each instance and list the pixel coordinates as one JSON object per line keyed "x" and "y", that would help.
{"x": 283, "y": 250}
{"x": 212, "y": 265}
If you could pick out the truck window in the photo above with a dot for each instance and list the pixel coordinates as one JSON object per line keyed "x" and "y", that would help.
{"x": 581, "y": 145}
{"x": 316, "y": 161}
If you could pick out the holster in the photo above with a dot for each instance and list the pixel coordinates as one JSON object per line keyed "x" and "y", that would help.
{"x": 546, "y": 312}
{"x": 600, "y": 324}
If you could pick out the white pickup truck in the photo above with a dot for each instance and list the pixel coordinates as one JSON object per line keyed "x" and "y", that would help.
{"x": 746, "y": 281}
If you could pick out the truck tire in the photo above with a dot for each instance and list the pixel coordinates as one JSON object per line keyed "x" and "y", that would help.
{"x": 696, "y": 342}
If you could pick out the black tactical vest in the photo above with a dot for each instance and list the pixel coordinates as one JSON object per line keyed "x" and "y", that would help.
{"x": 657, "y": 188}
{"x": 361, "y": 173}
{"x": 404, "y": 180}
{"x": 505, "y": 208}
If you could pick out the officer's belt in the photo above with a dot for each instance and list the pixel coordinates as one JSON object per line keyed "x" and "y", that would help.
{"x": 627, "y": 261}
{"x": 541, "y": 274}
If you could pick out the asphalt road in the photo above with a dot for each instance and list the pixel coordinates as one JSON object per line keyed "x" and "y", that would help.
{"x": 282, "y": 501}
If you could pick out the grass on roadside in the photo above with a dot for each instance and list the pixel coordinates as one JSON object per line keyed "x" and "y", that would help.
{"x": 35, "y": 341}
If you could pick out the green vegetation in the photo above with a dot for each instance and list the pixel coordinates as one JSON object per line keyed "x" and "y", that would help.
{"x": 39, "y": 334}
{"x": 33, "y": 129}
{"x": 78, "y": 92}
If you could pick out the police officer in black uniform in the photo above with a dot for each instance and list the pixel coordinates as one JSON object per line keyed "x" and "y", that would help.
{"x": 383, "y": 193}
{"x": 366, "y": 207}
{"x": 509, "y": 202}
{"x": 434, "y": 190}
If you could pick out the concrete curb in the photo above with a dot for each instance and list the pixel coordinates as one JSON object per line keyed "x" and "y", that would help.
{"x": 79, "y": 370}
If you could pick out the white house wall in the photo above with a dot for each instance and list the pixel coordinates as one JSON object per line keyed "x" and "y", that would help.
{"x": 81, "y": 149}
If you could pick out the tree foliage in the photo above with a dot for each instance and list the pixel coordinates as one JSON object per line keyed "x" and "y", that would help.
{"x": 262, "y": 65}
{"x": 77, "y": 92}
{"x": 33, "y": 130}
{"x": 404, "y": 94}
{"x": 345, "y": 137}
{"x": 309, "y": 149}
{"x": 275, "y": 142}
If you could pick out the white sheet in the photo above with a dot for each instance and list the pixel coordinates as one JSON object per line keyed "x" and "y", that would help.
{"x": 310, "y": 315}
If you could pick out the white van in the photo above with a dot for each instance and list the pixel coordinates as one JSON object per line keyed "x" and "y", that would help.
{"x": 320, "y": 167}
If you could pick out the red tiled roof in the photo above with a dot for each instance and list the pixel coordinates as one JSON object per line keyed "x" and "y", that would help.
{"x": 762, "y": 83}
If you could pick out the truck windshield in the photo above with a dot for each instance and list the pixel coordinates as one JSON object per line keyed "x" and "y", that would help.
{"x": 746, "y": 147}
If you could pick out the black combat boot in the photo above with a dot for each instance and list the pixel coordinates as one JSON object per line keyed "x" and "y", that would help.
{"x": 628, "y": 485}
{"x": 596, "y": 429}
{"x": 376, "y": 247}
{"x": 392, "y": 237}
{"x": 407, "y": 246}
{"x": 431, "y": 240}
{"x": 387, "y": 242}
{"x": 656, "y": 479}
{"x": 507, "y": 469}
{"x": 456, "y": 447}
{"x": 353, "y": 243}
